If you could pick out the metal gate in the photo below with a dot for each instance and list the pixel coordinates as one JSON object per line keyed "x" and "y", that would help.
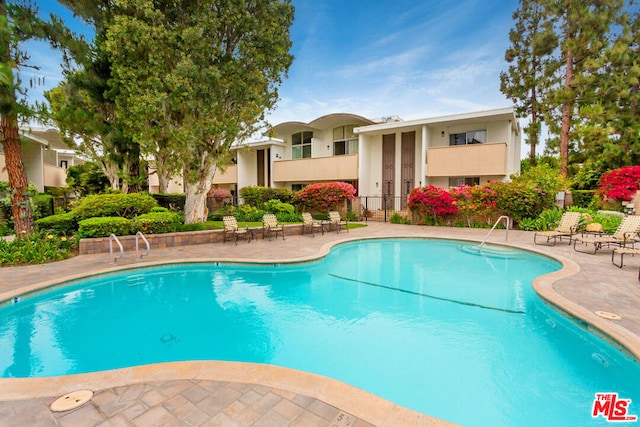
{"x": 380, "y": 208}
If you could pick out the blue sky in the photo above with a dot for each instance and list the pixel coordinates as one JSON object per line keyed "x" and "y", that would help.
{"x": 375, "y": 58}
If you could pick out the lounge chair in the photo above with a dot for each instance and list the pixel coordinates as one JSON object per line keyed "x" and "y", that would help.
{"x": 624, "y": 235}
{"x": 312, "y": 224}
{"x": 270, "y": 225}
{"x": 622, "y": 252}
{"x": 231, "y": 229}
{"x": 566, "y": 228}
{"x": 337, "y": 222}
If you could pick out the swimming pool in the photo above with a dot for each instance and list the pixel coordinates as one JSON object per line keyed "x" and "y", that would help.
{"x": 386, "y": 316}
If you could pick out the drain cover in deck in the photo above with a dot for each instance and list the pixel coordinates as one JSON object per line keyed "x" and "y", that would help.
{"x": 72, "y": 400}
{"x": 608, "y": 315}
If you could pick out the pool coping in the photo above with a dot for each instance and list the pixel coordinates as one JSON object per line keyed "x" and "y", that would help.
{"x": 360, "y": 403}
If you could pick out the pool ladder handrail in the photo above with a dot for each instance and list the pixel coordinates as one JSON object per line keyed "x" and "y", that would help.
{"x": 506, "y": 237}
{"x": 112, "y": 238}
{"x": 138, "y": 255}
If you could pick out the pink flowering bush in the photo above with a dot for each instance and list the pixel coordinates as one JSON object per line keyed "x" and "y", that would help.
{"x": 620, "y": 184}
{"x": 478, "y": 201}
{"x": 325, "y": 196}
{"x": 219, "y": 194}
{"x": 432, "y": 202}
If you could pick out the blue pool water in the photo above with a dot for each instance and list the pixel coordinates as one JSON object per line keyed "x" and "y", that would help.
{"x": 430, "y": 325}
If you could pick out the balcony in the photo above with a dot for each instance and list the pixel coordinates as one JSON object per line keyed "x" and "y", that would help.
{"x": 229, "y": 176}
{"x": 467, "y": 160}
{"x": 334, "y": 168}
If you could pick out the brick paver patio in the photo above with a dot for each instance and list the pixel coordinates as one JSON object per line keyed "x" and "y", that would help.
{"x": 208, "y": 394}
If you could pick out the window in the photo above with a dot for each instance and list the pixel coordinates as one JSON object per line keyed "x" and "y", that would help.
{"x": 63, "y": 164}
{"x": 297, "y": 187}
{"x": 464, "y": 138}
{"x": 344, "y": 140}
{"x": 301, "y": 145}
{"x": 457, "y": 181}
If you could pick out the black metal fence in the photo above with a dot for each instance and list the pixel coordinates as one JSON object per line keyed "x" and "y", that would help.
{"x": 381, "y": 208}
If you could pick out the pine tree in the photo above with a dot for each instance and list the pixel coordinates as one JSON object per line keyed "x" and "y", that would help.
{"x": 583, "y": 28}
{"x": 532, "y": 68}
{"x": 611, "y": 127}
{"x": 18, "y": 23}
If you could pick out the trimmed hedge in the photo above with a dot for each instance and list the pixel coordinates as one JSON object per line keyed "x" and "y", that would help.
{"x": 104, "y": 226}
{"x": 65, "y": 223}
{"x": 109, "y": 205}
{"x": 157, "y": 222}
{"x": 257, "y": 196}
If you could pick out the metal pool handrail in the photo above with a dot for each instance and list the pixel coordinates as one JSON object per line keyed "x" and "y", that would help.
{"x": 113, "y": 237}
{"x": 506, "y": 237}
{"x": 138, "y": 256}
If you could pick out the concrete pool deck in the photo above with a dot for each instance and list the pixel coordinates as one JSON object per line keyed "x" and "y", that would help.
{"x": 229, "y": 394}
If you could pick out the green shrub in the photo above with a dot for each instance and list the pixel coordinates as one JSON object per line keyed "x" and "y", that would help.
{"x": 549, "y": 219}
{"x": 529, "y": 224}
{"x": 223, "y": 211}
{"x": 173, "y": 202}
{"x": 519, "y": 200}
{"x": 42, "y": 205}
{"x": 247, "y": 213}
{"x": 547, "y": 178}
{"x": 256, "y": 195}
{"x": 288, "y": 217}
{"x": 37, "y": 248}
{"x": 396, "y": 218}
{"x": 275, "y": 206}
{"x": 104, "y": 226}
{"x": 65, "y": 224}
{"x": 157, "y": 222}
{"x": 5, "y": 230}
{"x": 108, "y": 205}
{"x": 582, "y": 198}
{"x": 352, "y": 216}
{"x": 159, "y": 209}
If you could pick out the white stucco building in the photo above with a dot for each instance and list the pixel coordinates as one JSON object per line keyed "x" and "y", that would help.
{"x": 381, "y": 156}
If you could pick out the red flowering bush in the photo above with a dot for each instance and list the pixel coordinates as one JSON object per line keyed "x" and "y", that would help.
{"x": 325, "y": 196}
{"x": 477, "y": 200}
{"x": 432, "y": 201}
{"x": 620, "y": 184}
{"x": 219, "y": 194}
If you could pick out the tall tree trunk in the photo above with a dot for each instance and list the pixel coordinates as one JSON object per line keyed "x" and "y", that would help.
{"x": 20, "y": 204}
{"x": 195, "y": 205}
{"x": 533, "y": 136}
{"x": 566, "y": 116}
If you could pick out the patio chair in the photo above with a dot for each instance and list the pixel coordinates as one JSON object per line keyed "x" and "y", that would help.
{"x": 624, "y": 235}
{"x": 231, "y": 229}
{"x": 270, "y": 225}
{"x": 312, "y": 224}
{"x": 335, "y": 220}
{"x": 566, "y": 228}
{"x": 622, "y": 252}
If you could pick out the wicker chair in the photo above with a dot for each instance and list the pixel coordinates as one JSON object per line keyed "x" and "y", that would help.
{"x": 231, "y": 229}
{"x": 337, "y": 222}
{"x": 312, "y": 224}
{"x": 270, "y": 225}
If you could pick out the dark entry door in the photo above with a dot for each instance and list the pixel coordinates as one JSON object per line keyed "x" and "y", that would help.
{"x": 260, "y": 165}
{"x": 388, "y": 168}
{"x": 408, "y": 161}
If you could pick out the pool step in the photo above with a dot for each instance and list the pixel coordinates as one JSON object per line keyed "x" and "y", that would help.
{"x": 136, "y": 280}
